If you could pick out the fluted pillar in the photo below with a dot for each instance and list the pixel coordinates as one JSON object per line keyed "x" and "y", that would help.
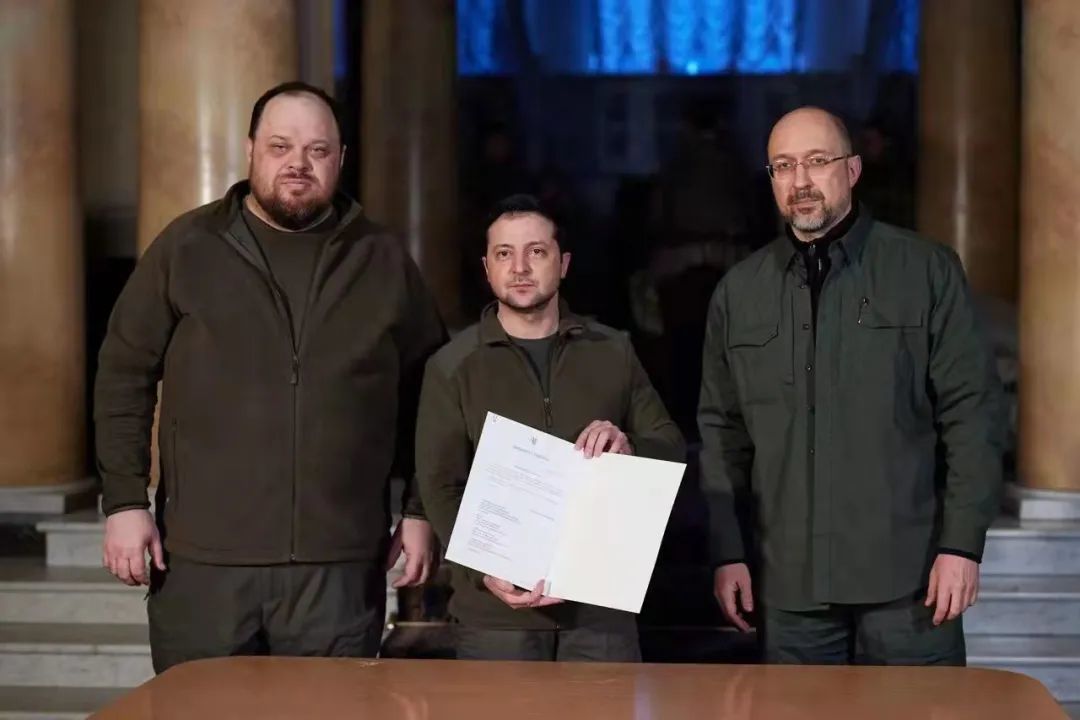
{"x": 968, "y": 137}
{"x": 202, "y": 65}
{"x": 1049, "y": 383}
{"x": 42, "y": 385}
{"x": 408, "y": 135}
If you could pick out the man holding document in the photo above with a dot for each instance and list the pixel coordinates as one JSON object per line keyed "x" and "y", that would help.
{"x": 532, "y": 378}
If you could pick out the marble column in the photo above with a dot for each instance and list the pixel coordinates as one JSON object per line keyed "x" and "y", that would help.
{"x": 42, "y": 384}
{"x": 1049, "y": 385}
{"x": 408, "y": 137}
{"x": 316, "y": 22}
{"x": 968, "y": 137}
{"x": 202, "y": 65}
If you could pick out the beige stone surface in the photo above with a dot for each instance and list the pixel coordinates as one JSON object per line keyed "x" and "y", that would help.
{"x": 41, "y": 257}
{"x": 1050, "y": 247}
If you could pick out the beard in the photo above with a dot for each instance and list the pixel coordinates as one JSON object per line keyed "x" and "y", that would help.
{"x": 290, "y": 210}
{"x": 534, "y": 305}
{"x": 825, "y": 217}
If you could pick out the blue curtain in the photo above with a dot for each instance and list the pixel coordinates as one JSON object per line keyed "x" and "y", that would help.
{"x": 686, "y": 37}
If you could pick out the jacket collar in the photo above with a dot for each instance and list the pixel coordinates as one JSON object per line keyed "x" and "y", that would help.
{"x": 852, "y": 243}
{"x": 492, "y": 332}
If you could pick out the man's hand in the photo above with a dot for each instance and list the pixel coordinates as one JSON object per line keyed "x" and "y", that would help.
{"x": 129, "y": 534}
{"x": 954, "y": 586}
{"x": 729, "y": 581}
{"x": 602, "y": 436}
{"x": 415, "y": 538}
{"x": 517, "y": 598}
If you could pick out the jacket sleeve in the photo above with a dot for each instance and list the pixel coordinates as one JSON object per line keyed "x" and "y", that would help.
{"x": 130, "y": 365}
{"x": 443, "y": 455}
{"x": 421, "y": 333}
{"x": 443, "y": 451}
{"x": 727, "y": 452}
{"x": 650, "y": 429}
{"x": 968, "y": 412}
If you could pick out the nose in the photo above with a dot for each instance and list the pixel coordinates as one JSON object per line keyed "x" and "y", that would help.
{"x": 298, "y": 161}
{"x": 521, "y": 264}
{"x": 802, "y": 176}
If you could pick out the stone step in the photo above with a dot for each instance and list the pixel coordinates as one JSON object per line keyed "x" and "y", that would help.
{"x": 1052, "y": 660}
{"x": 40, "y": 703}
{"x": 1025, "y": 605}
{"x": 74, "y": 655}
{"x": 1032, "y": 547}
{"x": 74, "y": 540}
{"x": 41, "y": 501}
{"x": 31, "y": 592}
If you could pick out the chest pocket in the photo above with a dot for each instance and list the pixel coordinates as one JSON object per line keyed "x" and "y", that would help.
{"x": 760, "y": 361}
{"x": 875, "y": 316}
{"x": 890, "y": 356}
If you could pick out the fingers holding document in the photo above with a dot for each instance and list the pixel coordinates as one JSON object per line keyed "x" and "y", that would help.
{"x": 516, "y": 597}
{"x": 603, "y": 436}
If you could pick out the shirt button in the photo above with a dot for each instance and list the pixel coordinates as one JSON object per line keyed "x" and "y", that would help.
{"x": 806, "y": 326}
{"x": 811, "y": 451}
{"x": 809, "y": 368}
{"x": 802, "y": 287}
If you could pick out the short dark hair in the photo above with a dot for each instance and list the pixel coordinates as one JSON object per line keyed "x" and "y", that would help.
{"x": 293, "y": 87}
{"x": 525, "y": 204}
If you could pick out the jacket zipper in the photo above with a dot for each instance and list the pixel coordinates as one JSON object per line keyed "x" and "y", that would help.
{"x": 298, "y": 344}
{"x": 295, "y": 344}
{"x": 545, "y": 397}
{"x": 547, "y": 407}
{"x": 294, "y": 382}
{"x": 173, "y": 495}
{"x": 545, "y": 394}
{"x": 552, "y": 352}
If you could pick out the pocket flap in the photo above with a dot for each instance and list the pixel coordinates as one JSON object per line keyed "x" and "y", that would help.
{"x": 877, "y": 315}
{"x": 753, "y": 335}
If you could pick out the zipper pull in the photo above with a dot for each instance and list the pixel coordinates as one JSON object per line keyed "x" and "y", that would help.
{"x": 294, "y": 379}
{"x": 547, "y": 412}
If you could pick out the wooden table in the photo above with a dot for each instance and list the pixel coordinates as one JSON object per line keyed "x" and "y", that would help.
{"x": 278, "y": 688}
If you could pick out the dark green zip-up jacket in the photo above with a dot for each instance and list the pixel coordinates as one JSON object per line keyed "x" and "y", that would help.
{"x": 594, "y": 375}
{"x": 860, "y": 450}
{"x": 275, "y": 446}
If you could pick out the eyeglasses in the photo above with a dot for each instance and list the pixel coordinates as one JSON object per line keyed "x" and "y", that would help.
{"x": 815, "y": 165}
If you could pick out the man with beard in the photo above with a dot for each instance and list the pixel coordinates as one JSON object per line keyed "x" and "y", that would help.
{"x": 530, "y": 359}
{"x": 289, "y": 333}
{"x": 851, "y": 421}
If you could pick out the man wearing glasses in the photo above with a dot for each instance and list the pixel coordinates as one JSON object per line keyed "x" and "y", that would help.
{"x": 851, "y": 422}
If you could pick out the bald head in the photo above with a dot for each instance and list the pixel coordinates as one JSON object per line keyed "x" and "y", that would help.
{"x": 813, "y": 170}
{"x": 814, "y": 124}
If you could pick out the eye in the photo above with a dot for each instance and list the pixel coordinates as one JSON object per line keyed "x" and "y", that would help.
{"x": 320, "y": 152}
{"x": 539, "y": 252}
{"x": 502, "y": 254}
{"x": 783, "y": 166}
{"x": 818, "y": 161}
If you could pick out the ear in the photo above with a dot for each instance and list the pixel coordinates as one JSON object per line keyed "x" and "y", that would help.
{"x": 341, "y": 160}
{"x": 565, "y": 261}
{"x": 250, "y": 149}
{"x": 854, "y": 169}
{"x": 487, "y": 273}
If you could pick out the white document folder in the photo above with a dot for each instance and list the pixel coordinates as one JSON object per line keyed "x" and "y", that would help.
{"x": 534, "y": 508}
